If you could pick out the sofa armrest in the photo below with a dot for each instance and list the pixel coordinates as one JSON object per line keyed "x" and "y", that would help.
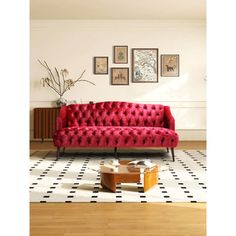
{"x": 169, "y": 121}
{"x": 61, "y": 120}
{"x": 59, "y": 123}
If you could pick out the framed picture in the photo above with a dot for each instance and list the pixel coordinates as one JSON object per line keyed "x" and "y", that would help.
{"x": 120, "y": 54}
{"x": 145, "y": 65}
{"x": 119, "y": 76}
{"x": 100, "y": 65}
{"x": 170, "y": 65}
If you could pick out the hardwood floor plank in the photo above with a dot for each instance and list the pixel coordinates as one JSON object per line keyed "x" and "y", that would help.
{"x": 118, "y": 219}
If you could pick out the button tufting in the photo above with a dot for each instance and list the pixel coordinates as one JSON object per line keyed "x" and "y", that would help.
{"x": 108, "y": 124}
{"x": 89, "y": 140}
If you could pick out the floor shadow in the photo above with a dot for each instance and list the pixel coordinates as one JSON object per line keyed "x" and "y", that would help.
{"x": 132, "y": 154}
{"x": 130, "y": 188}
{"x": 88, "y": 187}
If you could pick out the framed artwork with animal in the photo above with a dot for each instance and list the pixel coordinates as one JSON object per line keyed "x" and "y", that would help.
{"x": 170, "y": 65}
{"x": 100, "y": 65}
{"x": 120, "y": 76}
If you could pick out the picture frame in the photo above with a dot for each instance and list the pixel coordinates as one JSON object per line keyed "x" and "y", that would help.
{"x": 100, "y": 65}
{"x": 120, "y": 76}
{"x": 170, "y": 65}
{"x": 145, "y": 65}
{"x": 120, "y": 54}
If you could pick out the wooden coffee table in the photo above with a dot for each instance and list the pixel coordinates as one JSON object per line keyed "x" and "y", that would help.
{"x": 126, "y": 174}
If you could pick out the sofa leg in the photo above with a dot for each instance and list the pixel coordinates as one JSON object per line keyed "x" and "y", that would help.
{"x": 115, "y": 152}
{"x": 58, "y": 153}
{"x": 167, "y": 149}
{"x": 63, "y": 150}
{"x": 173, "y": 154}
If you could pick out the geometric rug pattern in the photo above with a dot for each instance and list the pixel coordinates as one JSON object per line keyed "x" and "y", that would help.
{"x": 72, "y": 178}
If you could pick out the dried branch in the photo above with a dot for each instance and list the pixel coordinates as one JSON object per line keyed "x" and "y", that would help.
{"x": 48, "y": 84}
{"x": 79, "y": 79}
{"x": 50, "y": 72}
{"x": 80, "y": 76}
{"x": 63, "y": 77}
{"x": 58, "y": 77}
{"x": 84, "y": 80}
{"x": 59, "y": 84}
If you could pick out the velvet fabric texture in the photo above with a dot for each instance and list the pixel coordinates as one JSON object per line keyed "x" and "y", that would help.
{"x": 115, "y": 124}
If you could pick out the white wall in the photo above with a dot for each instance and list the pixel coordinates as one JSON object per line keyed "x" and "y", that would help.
{"x": 72, "y": 44}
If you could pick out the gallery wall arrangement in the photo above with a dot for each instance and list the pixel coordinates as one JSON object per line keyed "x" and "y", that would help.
{"x": 144, "y": 69}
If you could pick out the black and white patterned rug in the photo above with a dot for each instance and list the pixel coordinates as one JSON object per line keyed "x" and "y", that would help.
{"x": 71, "y": 178}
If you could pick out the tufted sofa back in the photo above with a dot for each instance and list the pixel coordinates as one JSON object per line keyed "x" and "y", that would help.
{"x": 115, "y": 114}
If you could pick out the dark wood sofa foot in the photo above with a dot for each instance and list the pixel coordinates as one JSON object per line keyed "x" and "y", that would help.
{"x": 58, "y": 153}
{"x": 115, "y": 152}
{"x": 173, "y": 154}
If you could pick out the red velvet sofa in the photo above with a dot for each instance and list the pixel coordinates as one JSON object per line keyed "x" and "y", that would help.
{"x": 115, "y": 124}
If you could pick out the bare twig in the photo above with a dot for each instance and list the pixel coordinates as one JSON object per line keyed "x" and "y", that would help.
{"x": 79, "y": 79}
{"x": 52, "y": 87}
{"x": 84, "y": 80}
{"x": 58, "y": 77}
{"x": 42, "y": 64}
{"x": 51, "y": 72}
{"x": 64, "y": 83}
{"x": 59, "y": 84}
{"x": 80, "y": 76}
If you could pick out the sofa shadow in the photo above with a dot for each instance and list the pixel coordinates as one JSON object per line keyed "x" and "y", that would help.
{"x": 132, "y": 154}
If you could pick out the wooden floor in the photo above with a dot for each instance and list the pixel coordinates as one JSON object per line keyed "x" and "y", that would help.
{"x": 107, "y": 219}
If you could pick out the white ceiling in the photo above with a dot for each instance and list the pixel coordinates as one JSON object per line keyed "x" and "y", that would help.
{"x": 118, "y": 9}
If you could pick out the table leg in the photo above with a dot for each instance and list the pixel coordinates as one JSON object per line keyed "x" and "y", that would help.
{"x": 150, "y": 179}
{"x": 108, "y": 181}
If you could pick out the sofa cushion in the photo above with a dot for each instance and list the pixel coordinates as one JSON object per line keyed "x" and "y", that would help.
{"x": 115, "y": 114}
{"x": 115, "y": 136}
